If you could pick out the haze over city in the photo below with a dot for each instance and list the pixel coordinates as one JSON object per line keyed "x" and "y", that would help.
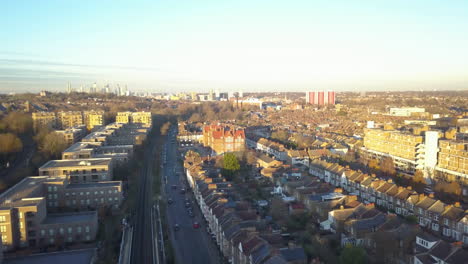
{"x": 167, "y": 46}
{"x": 234, "y": 132}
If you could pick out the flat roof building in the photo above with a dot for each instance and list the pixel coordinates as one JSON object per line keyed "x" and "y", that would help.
{"x": 79, "y": 170}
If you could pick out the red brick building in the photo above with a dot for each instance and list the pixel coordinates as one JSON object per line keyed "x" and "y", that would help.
{"x": 224, "y": 138}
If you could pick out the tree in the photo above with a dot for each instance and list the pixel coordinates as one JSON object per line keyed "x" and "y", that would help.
{"x": 278, "y": 210}
{"x": 230, "y": 165}
{"x": 387, "y": 166}
{"x": 19, "y": 123}
{"x": 165, "y": 128}
{"x": 353, "y": 255}
{"x": 373, "y": 164}
{"x": 53, "y": 145}
{"x": 10, "y": 143}
{"x": 419, "y": 177}
{"x": 280, "y": 135}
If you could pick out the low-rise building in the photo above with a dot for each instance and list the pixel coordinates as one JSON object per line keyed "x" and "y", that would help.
{"x": 79, "y": 170}
{"x": 25, "y": 221}
{"x": 72, "y": 135}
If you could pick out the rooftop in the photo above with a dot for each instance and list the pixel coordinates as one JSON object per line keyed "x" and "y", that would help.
{"x": 70, "y": 218}
{"x": 95, "y": 184}
{"x": 76, "y": 163}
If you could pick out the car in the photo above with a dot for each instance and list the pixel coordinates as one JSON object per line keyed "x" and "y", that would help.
{"x": 187, "y": 205}
{"x": 196, "y": 225}
{"x": 190, "y": 213}
{"x": 176, "y": 227}
{"x": 170, "y": 201}
{"x": 182, "y": 191}
{"x": 174, "y": 187}
{"x": 187, "y": 200}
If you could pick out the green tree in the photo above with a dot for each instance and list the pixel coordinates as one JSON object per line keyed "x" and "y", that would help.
{"x": 230, "y": 165}
{"x": 353, "y": 255}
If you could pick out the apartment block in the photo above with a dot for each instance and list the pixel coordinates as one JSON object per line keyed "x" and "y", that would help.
{"x": 44, "y": 120}
{"x": 84, "y": 150}
{"x": 79, "y": 170}
{"x": 93, "y": 119}
{"x": 453, "y": 156}
{"x": 25, "y": 222}
{"x": 70, "y": 119}
{"x": 406, "y": 111}
{"x": 406, "y": 150}
{"x": 83, "y": 196}
{"x": 72, "y": 135}
{"x": 134, "y": 117}
{"x": 224, "y": 138}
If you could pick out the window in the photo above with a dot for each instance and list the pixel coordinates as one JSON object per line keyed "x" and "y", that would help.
{"x": 4, "y": 238}
{"x": 51, "y": 240}
{"x": 81, "y": 193}
{"x": 42, "y": 232}
{"x": 69, "y": 230}
{"x": 87, "y": 193}
{"x": 51, "y": 232}
{"x": 115, "y": 191}
{"x": 116, "y": 198}
{"x": 88, "y": 237}
{"x": 87, "y": 229}
{"x": 49, "y": 188}
{"x": 102, "y": 192}
{"x": 55, "y": 196}
{"x": 67, "y": 194}
{"x": 21, "y": 215}
{"x": 21, "y": 225}
{"x": 96, "y": 192}
{"x": 61, "y": 231}
{"x": 70, "y": 239}
{"x": 78, "y": 229}
{"x": 3, "y": 229}
{"x": 446, "y": 222}
{"x": 55, "y": 188}
{"x": 2, "y": 218}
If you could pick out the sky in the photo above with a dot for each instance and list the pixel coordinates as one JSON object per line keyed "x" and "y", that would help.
{"x": 172, "y": 46}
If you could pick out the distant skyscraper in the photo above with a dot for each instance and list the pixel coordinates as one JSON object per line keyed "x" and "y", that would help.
{"x": 217, "y": 94}
{"x": 69, "y": 89}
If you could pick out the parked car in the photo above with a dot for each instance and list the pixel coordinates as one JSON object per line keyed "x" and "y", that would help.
{"x": 176, "y": 227}
{"x": 196, "y": 225}
{"x": 170, "y": 201}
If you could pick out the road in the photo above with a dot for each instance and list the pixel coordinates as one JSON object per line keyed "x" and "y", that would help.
{"x": 142, "y": 244}
{"x": 190, "y": 245}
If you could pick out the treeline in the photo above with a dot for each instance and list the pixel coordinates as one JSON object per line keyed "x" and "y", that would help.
{"x": 13, "y": 127}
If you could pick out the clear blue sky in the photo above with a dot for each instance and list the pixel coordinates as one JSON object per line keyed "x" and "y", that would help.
{"x": 250, "y": 45}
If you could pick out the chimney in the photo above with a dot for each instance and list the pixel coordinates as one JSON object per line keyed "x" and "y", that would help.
{"x": 338, "y": 190}
{"x": 457, "y": 204}
{"x": 390, "y": 181}
{"x": 341, "y": 207}
{"x": 370, "y": 206}
{"x": 421, "y": 196}
{"x": 431, "y": 195}
{"x": 409, "y": 188}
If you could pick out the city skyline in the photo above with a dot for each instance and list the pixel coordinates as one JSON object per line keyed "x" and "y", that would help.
{"x": 261, "y": 46}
